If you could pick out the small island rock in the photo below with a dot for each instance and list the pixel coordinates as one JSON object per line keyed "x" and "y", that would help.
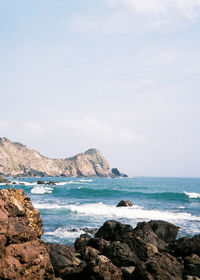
{"x": 124, "y": 203}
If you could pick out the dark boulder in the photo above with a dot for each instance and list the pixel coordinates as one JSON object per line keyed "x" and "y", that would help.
{"x": 114, "y": 231}
{"x": 120, "y": 254}
{"x": 81, "y": 242}
{"x": 98, "y": 243}
{"x": 124, "y": 203}
{"x": 117, "y": 173}
{"x": 159, "y": 267}
{"x": 65, "y": 261}
{"x": 158, "y": 233}
{"x": 185, "y": 246}
{"x": 101, "y": 268}
{"x": 41, "y": 182}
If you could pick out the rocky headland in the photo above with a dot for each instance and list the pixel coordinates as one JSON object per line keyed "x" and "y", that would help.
{"x": 116, "y": 251}
{"x": 17, "y": 160}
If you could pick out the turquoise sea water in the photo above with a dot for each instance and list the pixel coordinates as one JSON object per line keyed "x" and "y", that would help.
{"x": 75, "y": 203}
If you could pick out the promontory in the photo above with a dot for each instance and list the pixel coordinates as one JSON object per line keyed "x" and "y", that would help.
{"x": 18, "y": 160}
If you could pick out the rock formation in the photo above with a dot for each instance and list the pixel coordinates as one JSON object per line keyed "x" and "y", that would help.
{"x": 124, "y": 203}
{"x": 17, "y": 160}
{"x": 23, "y": 254}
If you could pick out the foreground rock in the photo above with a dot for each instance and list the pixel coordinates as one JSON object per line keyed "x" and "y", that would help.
{"x": 17, "y": 160}
{"x": 150, "y": 251}
{"x": 145, "y": 252}
{"x": 23, "y": 254}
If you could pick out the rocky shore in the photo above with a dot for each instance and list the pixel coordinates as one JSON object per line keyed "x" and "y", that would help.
{"x": 151, "y": 251}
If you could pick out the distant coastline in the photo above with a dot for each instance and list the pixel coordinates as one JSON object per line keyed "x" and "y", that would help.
{"x": 16, "y": 160}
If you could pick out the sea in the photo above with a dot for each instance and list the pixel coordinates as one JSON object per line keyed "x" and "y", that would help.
{"x": 74, "y": 206}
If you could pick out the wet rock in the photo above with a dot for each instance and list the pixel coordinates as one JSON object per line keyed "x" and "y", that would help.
{"x": 81, "y": 242}
{"x": 120, "y": 254}
{"x": 65, "y": 261}
{"x": 159, "y": 267}
{"x": 124, "y": 203}
{"x": 101, "y": 268}
{"x": 41, "y": 182}
{"x": 88, "y": 253}
{"x": 185, "y": 246}
{"x": 117, "y": 173}
{"x": 23, "y": 254}
{"x": 127, "y": 272}
{"x": 98, "y": 243}
{"x": 114, "y": 231}
{"x": 158, "y": 233}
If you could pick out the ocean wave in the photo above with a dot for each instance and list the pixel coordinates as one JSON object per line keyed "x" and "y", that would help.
{"x": 41, "y": 190}
{"x": 63, "y": 232}
{"x": 85, "y": 180}
{"x": 113, "y": 212}
{"x": 61, "y": 183}
{"x": 192, "y": 194}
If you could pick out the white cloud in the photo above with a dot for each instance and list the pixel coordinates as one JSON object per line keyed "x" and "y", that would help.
{"x": 138, "y": 16}
{"x": 187, "y": 8}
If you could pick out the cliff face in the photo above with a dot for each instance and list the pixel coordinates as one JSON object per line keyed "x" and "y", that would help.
{"x": 23, "y": 254}
{"x": 17, "y": 160}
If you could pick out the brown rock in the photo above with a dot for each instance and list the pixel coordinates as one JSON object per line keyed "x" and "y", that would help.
{"x": 65, "y": 261}
{"x": 120, "y": 254}
{"x": 159, "y": 267}
{"x": 101, "y": 268}
{"x": 185, "y": 246}
{"x": 23, "y": 254}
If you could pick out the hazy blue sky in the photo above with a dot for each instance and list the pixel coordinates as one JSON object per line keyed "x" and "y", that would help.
{"x": 119, "y": 75}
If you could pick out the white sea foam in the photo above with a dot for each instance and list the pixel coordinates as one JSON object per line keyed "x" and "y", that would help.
{"x": 113, "y": 212}
{"x": 85, "y": 180}
{"x": 61, "y": 183}
{"x": 63, "y": 232}
{"x": 26, "y": 183}
{"x": 192, "y": 194}
{"x": 41, "y": 190}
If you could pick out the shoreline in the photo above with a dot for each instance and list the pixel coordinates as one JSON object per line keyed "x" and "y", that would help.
{"x": 117, "y": 251}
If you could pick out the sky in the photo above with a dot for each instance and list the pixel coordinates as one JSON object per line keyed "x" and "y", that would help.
{"x": 122, "y": 76}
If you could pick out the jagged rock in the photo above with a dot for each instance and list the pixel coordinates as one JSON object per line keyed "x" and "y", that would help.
{"x": 65, "y": 261}
{"x": 124, "y": 203}
{"x": 81, "y": 242}
{"x": 159, "y": 267}
{"x": 41, "y": 182}
{"x": 17, "y": 160}
{"x": 185, "y": 246}
{"x": 4, "y": 181}
{"x": 117, "y": 173}
{"x": 127, "y": 272}
{"x": 88, "y": 253}
{"x": 120, "y": 254}
{"x": 101, "y": 268}
{"x": 98, "y": 243}
{"x": 114, "y": 231}
{"x": 23, "y": 254}
{"x": 158, "y": 233}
